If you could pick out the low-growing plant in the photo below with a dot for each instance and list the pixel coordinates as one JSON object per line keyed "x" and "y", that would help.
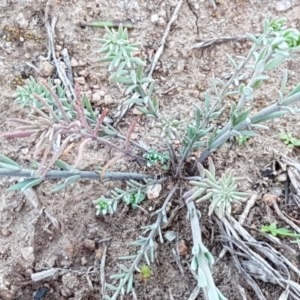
{"x": 242, "y": 140}
{"x": 282, "y": 232}
{"x": 289, "y": 140}
{"x": 52, "y": 116}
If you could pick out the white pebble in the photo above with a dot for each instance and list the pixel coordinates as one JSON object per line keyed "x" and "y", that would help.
{"x": 283, "y": 5}
{"x": 154, "y": 18}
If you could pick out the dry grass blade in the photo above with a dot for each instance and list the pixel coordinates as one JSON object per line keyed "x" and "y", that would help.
{"x": 100, "y": 121}
{"x": 108, "y": 164}
{"x": 80, "y": 153}
{"x": 218, "y": 40}
{"x": 128, "y": 135}
{"x": 256, "y": 265}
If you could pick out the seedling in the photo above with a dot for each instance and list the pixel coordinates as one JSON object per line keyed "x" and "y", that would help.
{"x": 242, "y": 140}
{"x": 272, "y": 229}
{"x": 145, "y": 272}
{"x": 289, "y": 140}
{"x": 153, "y": 157}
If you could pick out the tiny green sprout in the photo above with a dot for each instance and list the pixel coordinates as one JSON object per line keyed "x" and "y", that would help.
{"x": 134, "y": 199}
{"x": 104, "y": 206}
{"x": 145, "y": 272}
{"x": 242, "y": 140}
{"x": 289, "y": 140}
{"x": 272, "y": 229}
{"x": 153, "y": 157}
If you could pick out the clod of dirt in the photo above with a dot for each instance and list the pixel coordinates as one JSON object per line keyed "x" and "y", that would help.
{"x": 6, "y": 295}
{"x": 182, "y": 248}
{"x": 269, "y": 199}
{"x": 89, "y": 244}
{"x": 5, "y": 232}
{"x": 70, "y": 284}
{"x": 28, "y": 256}
{"x": 80, "y": 80}
{"x": 74, "y": 62}
{"x": 84, "y": 73}
{"x": 46, "y": 69}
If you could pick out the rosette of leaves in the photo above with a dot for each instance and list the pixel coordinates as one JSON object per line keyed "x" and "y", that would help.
{"x": 153, "y": 157}
{"x": 221, "y": 191}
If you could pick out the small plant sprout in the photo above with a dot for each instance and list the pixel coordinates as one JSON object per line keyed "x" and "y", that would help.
{"x": 145, "y": 272}
{"x": 242, "y": 140}
{"x": 221, "y": 191}
{"x": 282, "y": 232}
{"x": 153, "y": 157}
{"x": 289, "y": 140}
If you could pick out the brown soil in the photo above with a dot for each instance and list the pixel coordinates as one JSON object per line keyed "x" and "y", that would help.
{"x": 28, "y": 241}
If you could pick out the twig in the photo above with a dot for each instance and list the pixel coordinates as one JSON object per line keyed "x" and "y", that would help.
{"x": 284, "y": 218}
{"x": 242, "y": 292}
{"x": 65, "y": 174}
{"x": 61, "y": 72}
{"x": 33, "y": 199}
{"x": 106, "y": 243}
{"x": 195, "y": 293}
{"x": 164, "y": 38}
{"x": 249, "y": 205}
{"x": 67, "y": 62}
{"x": 217, "y": 40}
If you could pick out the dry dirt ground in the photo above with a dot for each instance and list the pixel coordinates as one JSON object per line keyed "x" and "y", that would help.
{"x": 28, "y": 241}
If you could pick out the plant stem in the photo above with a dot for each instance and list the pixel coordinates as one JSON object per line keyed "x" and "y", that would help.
{"x": 53, "y": 174}
{"x": 197, "y": 240}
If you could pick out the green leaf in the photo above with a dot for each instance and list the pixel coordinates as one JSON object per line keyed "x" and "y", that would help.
{"x": 63, "y": 165}
{"x": 248, "y": 133}
{"x": 67, "y": 182}
{"x": 25, "y": 184}
{"x": 9, "y": 166}
{"x": 137, "y": 61}
{"x": 283, "y": 136}
{"x": 133, "y": 76}
{"x": 232, "y": 61}
{"x": 275, "y": 62}
{"x": 8, "y": 161}
{"x": 284, "y": 82}
{"x": 252, "y": 38}
{"x": 130, "y": 89}
{"x": 122, "y": 79}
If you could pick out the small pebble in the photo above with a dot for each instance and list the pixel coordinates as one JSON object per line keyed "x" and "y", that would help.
{"x": 5, "y": 232}
{"x": 283, "y": 5}
{"x": 182, "y": 248}
{"x": 57, "y": 81}
{"x": 80, "y": 80}
{"x": 89, "y": 244}
{"x": 74, "y": 62}
{"x": 84, "y": 73}
{"x": 46, "y": 69}
{"x": 154, "y": 18}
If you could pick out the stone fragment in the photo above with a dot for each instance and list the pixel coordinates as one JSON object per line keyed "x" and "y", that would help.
{"x": 46, "y": 69}
{"x": 154, "y": 18}
{"x": 80, "y": 80}
{"x": 283, "y": 5}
